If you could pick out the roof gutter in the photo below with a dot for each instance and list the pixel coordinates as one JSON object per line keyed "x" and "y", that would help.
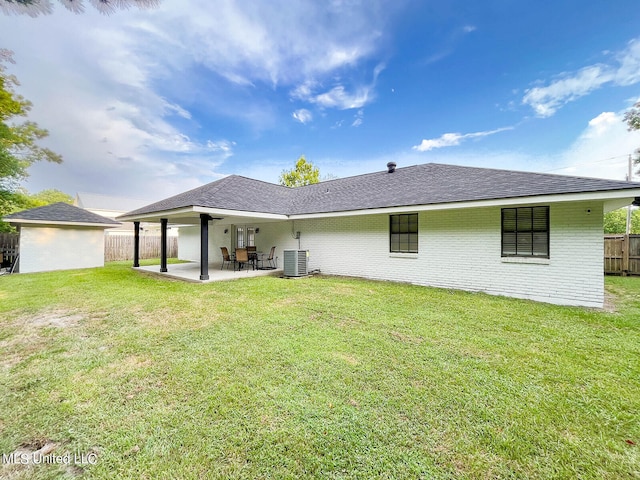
{"x": 21, "y": 221}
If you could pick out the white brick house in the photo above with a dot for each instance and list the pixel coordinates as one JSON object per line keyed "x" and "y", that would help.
{"x": 518, "y": 234}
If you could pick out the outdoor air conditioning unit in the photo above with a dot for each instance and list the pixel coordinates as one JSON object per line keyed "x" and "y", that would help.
{"x": 295, "y": 263}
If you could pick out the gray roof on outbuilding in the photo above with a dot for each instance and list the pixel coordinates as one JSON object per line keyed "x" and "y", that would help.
{"x": 59, "y": 213}
{"x": 426, "y": 184}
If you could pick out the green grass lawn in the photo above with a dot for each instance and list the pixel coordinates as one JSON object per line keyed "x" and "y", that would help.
{"x": 319, "y": 377}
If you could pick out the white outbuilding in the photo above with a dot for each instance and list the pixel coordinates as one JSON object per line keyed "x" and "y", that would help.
{"x": 59, "y": 237}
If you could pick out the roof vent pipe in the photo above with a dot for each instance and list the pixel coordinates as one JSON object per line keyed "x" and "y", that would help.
{"x": 391, "y": 167}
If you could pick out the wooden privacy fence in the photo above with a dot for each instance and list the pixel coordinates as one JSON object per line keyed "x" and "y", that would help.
{"x": 8, "y": 248}
{"x": 120, "y": 247}
{"x": 622, "y": 255}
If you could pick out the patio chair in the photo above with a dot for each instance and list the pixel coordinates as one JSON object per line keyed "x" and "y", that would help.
{"x": 270, "y": 259}
{"x": 225, "y": 257}
{"x": 242, "y": 258}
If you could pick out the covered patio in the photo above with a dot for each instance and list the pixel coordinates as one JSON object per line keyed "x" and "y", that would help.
{"x": 191, "y": 272}
{"x": 216, "y": 215}
{"x": 204, "y": 219}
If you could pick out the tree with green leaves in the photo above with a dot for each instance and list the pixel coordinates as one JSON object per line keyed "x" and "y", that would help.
{"x": 615, "y": 222}
{"x": 304, "y": 173}
{"x": 632, "y": 119}
{"x": 34, "y": 8}
{"x": 20, "y": 199}
{"x": 19, "y": 147}
{"x": 49, "y": 196}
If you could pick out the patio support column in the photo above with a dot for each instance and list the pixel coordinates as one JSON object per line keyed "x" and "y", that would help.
{"x": 163, "y": 244}
{"x": 136, "y": 244}
{"x": 204, "y": 246}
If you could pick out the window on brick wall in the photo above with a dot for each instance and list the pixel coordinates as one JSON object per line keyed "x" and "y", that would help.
{"x": 525, "y": 232}
{"x": 403, "y": 233}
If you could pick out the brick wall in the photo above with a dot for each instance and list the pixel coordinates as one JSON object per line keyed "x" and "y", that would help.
{"x": 459, "y": 249}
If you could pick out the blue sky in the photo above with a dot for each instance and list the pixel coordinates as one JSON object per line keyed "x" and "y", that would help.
{"x": 149, "y": 103}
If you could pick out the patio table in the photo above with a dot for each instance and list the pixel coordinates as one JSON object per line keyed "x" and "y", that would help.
{"x": 256, "y": 257}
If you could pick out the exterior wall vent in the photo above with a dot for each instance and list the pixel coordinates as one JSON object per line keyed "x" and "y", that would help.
{"x": 295, "y": 263}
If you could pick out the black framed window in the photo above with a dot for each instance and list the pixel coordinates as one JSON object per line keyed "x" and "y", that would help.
{"x": 525, "y": 232}
{"x": 403, "y": 233}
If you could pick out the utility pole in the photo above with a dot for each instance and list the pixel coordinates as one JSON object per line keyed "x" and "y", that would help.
{"x": 629, "y": 179}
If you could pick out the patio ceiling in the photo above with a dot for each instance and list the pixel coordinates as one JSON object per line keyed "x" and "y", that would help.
{"x": 191, "y": 216}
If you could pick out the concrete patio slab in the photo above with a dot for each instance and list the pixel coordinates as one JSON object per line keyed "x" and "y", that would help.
{"x": 190, "y": 272}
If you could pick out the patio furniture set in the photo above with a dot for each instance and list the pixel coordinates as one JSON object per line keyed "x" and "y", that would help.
{"x": 248, "y": 256}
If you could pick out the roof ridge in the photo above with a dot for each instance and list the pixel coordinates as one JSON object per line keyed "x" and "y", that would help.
{"x": 219, "y": 184}
{"x": 58, "y": 211}
{"x": 260, "y": 181}
{"x": 360, "y": 175}
{"x": 526, "y": 172}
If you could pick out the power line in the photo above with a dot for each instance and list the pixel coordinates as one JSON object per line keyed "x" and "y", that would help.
{"x": 626, "y": 155}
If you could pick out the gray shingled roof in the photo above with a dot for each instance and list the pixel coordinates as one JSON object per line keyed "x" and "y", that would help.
{"x": 231, "y": 193}
{"x": 426, "y": 184}
{"x": 59, "y": 213}
{"x": 432, "y": 184}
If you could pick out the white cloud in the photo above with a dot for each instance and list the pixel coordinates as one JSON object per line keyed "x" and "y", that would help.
{"x": 446, "y": 140}
{"x": 601, "y": 150}
{"x": 303, "y": 115}
{"x": 625, "y": 70}
{"x": 113, "y": 129}
{"x": 172, "y": 107}
{"x": 454, "y": 139}
{"x": 116, "y": 113}
{"x": 359, "y": 118}
{"x": 254, "y": 42}
{"x": 222, "y": 146}
{"x": 448, "y": 44}
{"x": 628, "y": 73}
{"x": 304, "y": 90}
{"x": 339, "y": 98}
{"x": 545, "y": 101}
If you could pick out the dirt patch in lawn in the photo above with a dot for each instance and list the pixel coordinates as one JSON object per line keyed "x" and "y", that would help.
{"x": 28, "y": 337}
{"x": 55, "y": 318}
